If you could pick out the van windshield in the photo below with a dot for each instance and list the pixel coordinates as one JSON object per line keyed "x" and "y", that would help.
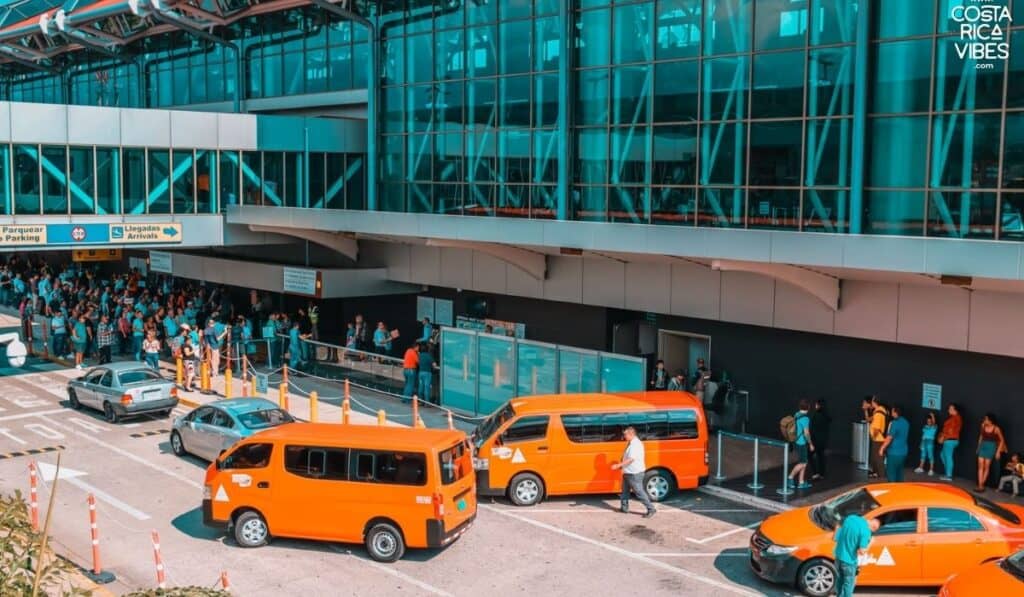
{"x": 488, "y": 426}
{"x": 456, "y": 463}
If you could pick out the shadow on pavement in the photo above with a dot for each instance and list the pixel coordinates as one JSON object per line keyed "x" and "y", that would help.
{"x": 191, "y": 524}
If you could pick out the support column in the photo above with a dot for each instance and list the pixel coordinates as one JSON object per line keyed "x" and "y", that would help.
{"x": 372, "y": 108}
{"x": 566, "y": 90}
{"x": 860, "y": 115}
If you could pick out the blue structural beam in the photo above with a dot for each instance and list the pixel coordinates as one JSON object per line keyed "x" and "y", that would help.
{"x": 566, "y": 31}
{"x": 860, "y": 116}
{"x": 60, "y": 176}
{"x": 163, "y": 187}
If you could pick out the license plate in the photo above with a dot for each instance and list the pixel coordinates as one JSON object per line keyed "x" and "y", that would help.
{"x": 151, "y": 395}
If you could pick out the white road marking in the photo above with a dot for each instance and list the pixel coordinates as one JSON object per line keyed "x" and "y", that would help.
{"x": 131, "y": 456}
{"x": 88, "y": 425}
{"x": 683, "y": 554}
{"x": 44, "y": 431}
{"x": 130, "y": 425}
{"x": 38, "y": 414}
{"x": 723, "y": 535}
{"x": 398, "y": 574}
{"x": 7, "y": 433}
{"x": 626, "y": 553}
{"x": 49, "y": 471}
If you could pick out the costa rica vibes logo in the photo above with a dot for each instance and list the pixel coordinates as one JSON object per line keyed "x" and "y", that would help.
{"x": 984, "y": 28}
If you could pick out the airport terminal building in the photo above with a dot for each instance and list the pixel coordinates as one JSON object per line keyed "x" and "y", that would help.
{"x": 822, "y": 197}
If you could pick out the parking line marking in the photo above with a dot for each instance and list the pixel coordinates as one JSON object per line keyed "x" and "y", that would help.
{"x": 149, "y": 433}
{"x": 624, "y": 552}
{"x": 746, "y": 527}
{"x": 398, "y": 574}
{"x": 683, "y": 554}
{"x": 35, "y": 414}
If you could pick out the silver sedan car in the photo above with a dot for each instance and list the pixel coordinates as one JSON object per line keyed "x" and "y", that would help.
{"x": 120, "y": 390}
{"x": 212, "y": 428}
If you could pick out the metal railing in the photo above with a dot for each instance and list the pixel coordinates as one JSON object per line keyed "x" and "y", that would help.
{"x": 758, "y": 441}
{"x": 373, "y": 370}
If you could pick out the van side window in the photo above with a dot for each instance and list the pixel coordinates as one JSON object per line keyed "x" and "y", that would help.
{"x": 248, "y": 456}
{"x": 394, "y": 468}
{"x": 526, "y": 429}
{"x": 317, "y": 463}
{"x": 583, "y": 429}
{"x": 652, "y": 425}
{"x": 951, "y": 520}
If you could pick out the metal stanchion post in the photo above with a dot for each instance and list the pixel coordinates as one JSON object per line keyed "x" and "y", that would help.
{"x": 718, "y": 475}
{"x": 785, "y": 474}
{"x": 755, "y": 485}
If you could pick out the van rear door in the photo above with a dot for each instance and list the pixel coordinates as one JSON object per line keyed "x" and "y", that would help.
{"x": 455, "y": 497}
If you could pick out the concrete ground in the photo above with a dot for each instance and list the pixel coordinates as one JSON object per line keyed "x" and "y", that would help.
{"x": 696, "y": 543}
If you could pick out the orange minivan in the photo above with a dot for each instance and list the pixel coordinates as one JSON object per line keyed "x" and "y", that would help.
{"x": 387, "y": 487}
{"x": 565, "y": 444}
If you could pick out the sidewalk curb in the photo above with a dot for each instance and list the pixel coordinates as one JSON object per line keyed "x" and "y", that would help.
{"x": 744, "y": 498}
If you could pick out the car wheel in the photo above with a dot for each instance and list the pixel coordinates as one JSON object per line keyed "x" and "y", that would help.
{"x": 817, "y": 578}
{"x": 177, "y": 445}
{"x": 251, "y": 530}
{"x": 659, "y": 484}
{"x": 73, "y": 399}
{"x": 526, "y": 489}
{"x": 384, "y": 543}
{"x": 109, "y": 414}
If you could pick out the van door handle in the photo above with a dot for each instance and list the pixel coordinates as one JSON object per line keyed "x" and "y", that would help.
{"x": 910, "y": 544}
{"x": 542, "y": 448}
{"x": 263, "y": 484}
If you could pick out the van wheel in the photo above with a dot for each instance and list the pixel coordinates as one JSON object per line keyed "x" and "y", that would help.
{"x": 660, "y": 484}
{"x": 251, "y": 530}
{"x": 526, "y": 489}
{"x": 817, "y": 578}
{"x": 384, "y": 543}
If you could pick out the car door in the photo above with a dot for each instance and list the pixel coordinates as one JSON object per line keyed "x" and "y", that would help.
{"x": 955, "y": 540}
{"x": 85, "y": 390}
{"x": 895, "y": 552}
{"x": 104, "y": 390}
{"x": 198, "y": 437}
{"x": 222, "y": 432}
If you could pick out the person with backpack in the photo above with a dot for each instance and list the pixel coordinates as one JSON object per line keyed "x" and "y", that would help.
{"x": 876, "y": 427}
{"x": 800, "y": 432}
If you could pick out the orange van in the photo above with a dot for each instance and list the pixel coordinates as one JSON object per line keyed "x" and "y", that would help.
{"x": 565, "y": 444}
{"x": 387, "y": 487}
{"x": 1001, "y": 577}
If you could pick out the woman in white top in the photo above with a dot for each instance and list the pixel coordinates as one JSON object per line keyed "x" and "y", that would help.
{"x": 151, "y": 346}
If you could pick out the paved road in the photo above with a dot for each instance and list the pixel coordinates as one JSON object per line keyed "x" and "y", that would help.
{"x": 695, "y": 545}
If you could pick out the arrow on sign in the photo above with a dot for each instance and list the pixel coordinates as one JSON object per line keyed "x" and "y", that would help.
{"x": 171, "y": 231}
{"x": 49, "y": 473}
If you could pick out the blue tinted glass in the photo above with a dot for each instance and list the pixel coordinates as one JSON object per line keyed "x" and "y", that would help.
{"x": 827, "y": 156}
{"x": 1011, "y": 225}
{"x": 898, "y": 157}
{"x": 826, "y": 210}
{"x": 632, "y": 33}
{"x": 515, "y": 39}
{"x": 677, "y": 29}
{"x": 961, "y": 214}
{"x": 458, "y": 370}
{"x": 1015, "y": 80}
{"x": 675, "y": 91}
{"x": 775, "y": 153}
{"x": 780, "y": 24}
{"x": 778, "y": 89}
{"x": 773, "y": 209}
{"x": 727, "y": 26}
{"x": 833, "y": 21}
{"x": 902, "y": 76}
{"x": 497, "y": 373}
{"x": 26, "y": 179}
{"x": 899, "y": 18}
{"x": 54, "y": 169}
{"x": 721, "y": 207}
{"x": 723, "y": 153}
{"x": 631, "y": 87}
{"x": 984, "y": 78}
{"x": 593, "y": 47}
{"x": 592, "y": 155}
{"x": 592, "y": 100}
{"x": 968, "y": 156}
{"x": 675, "y": 155}
{"x": 535, "y": 365}
{"x": 895, "y": 212}
{"x": 830, "y": 76}
{"x": 1013, "y": 159}
{"x": 627, "y": 204}
{"x": 621, "y": 374}
{"x": 724, "y": 85}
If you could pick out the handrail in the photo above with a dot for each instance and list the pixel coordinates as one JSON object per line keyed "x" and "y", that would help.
{"x": 751, "y": 437}
{"x": 374, "y": 355}
{"x": 755, "y": 484}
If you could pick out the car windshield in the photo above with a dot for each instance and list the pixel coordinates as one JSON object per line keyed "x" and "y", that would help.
{"x": 1014, "y": 564}
{"x": 262, "y": 419}
{"x": 996, "y": 509}
{"x": 138, "y": 375}
{"x": 832, "y": 512}
{"x": 488, "y": 426}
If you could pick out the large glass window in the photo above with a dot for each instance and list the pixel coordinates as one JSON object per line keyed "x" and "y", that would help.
{"x": 183, "y": 191}
{"x": 158, "y": 201}
{"x": 53, "y": 165}
{"x": 228, "y": 178}
{"x": 727, "y": 26}
{"x": 775, "y": 153}
{"x": 394, "y": 468}
{"x": 675, "y": 91}
{"x": 108, "y": 180}
{"x": 678, "y": 28}
{"x": 897, "y": 155}
{"x": 902, "y": 76}
{"x": 26, "y": 179}
{"x": 778, "y": 85}
{"x": 133, "y": 180}
{"x": 80, "y": 161}
{"x": 780, "y": 24}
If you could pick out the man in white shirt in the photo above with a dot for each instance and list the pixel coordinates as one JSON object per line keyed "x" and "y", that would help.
{"x": 633, "y": 468}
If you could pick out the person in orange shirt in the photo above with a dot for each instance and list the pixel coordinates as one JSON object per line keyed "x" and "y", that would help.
{"x": 949, "y": 438}
{"x": 410, "y": 365}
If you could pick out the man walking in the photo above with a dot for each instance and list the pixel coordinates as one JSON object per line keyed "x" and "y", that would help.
{"x": 804, "y": 444}
{"x": 852, "y": 539}
{"x": 633, "y": 468}
{"x": 425, "y": 364}
{"x": 104, "y": 338}
{"x": 410, "y": 370}
{"x": 876, "y": 427}
{"x": 895, "y": 447}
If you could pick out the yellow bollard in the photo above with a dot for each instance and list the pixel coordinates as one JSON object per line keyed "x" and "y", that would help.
{"x": 179, "y": 371}
{"x": 245, "y": 375}
{"x": 348, "y": 394}
{"x": 252, "y": 387}
{"x": 227, "y": 383}
{"x": 282, "y": 396}
{"x": 451, "y": 424}
{"x": 381, "y": 416}
{"x": 346, "y": 410}
{"x": 312, "y": 407}
{"x": 204, "y": 377}
{"x": 284, "y": 371}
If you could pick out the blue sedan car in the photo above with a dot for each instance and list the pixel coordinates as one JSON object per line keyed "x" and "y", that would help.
{"x": 212, "y": 428}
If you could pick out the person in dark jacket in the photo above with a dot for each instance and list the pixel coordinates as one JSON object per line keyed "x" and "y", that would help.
{"x": 821, "y": 425}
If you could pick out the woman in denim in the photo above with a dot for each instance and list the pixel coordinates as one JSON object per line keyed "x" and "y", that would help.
{"x": 949, "y": 438}
{"x": 928, "y": 434}
{"x": 991, "y": 446}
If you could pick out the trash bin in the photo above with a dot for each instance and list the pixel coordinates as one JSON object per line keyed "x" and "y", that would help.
{"x": 860, "y": 446}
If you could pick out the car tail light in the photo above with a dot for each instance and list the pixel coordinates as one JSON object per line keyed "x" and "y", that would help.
{"x": 174, "y": 391}
{"x": 438, "y": 506}
{"x": 126, "y": 399}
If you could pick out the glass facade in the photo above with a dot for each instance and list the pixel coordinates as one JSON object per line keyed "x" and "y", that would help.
{"x": 61, "y": 180}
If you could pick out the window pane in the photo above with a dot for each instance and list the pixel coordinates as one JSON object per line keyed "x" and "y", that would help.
{"x": 826, "y": 210}
{"x": 294, "y": 176}
{"x": 897, "y": 158}
{"x": 725, "y": 161}
{"x": 949, "y": 520}
{"x": 593, "y": 45}
{"x": 899, "y": 18}
{"x": 54, "y": 167}
{"x": 833, "y": 21}
{"x": 773, "y": 208}
{"x": 827, "y": 155}
{"x": 675, "y": 91}
{"x": 969, "y": 155}
{"x": 26, "y": 179}
{"x": 592, "y": 103}
{"x": 902, "y": 76}
{"x": 983, "y": 87}
{"x": 678, "y": 28}
{"x": 725, "y": 79}
{"x": 775, "y": 153}
{"x": 108, "y": 180}
{"x": 81, "y": 180}
{"x": 778, "y": 85}
{"x": 895, "y": 212}
{"x": 526, "y": 429}
{"x": 159, "y": 198}
{"x": 1012, "y": 216}
{"x": 961, "y": 214}
{"x": 674, "y": 155}
{"x": 334, "y": 195}
{"x": 515, "y": 38}
{"x": 590, "y": 204}
{"x": 830, "y": 77}
{"x": 898, "y": 522}
{"x": 1015, "y": 81}
{"x": 632, "y": 33}
{"x": 780, "y": 24}
{"x": 393, "y": 468}
{"x": 248, "y": 456}
{"x": 228, "y": 177}
{"x": 273, "y": 177}
{"x": 5, "y": 179}
{"x": 721, "y": 207}
{"x": 185, "y": 183}
{"x": 728, "y": 25}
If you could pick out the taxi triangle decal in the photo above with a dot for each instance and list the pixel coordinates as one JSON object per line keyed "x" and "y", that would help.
{"x": 885, "y": 558}
{"x": 518, "y": 457}
{"x": 222, "y": 496}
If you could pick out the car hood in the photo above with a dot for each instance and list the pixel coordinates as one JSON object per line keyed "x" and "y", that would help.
{"x": 793, "y": 528}
{"x": 989, "y": 576}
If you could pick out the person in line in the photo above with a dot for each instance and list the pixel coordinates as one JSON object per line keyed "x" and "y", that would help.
{"x": 410, "y": 368}
{"x": 821, "y": 431}
{"x": 124, "y": 331}
{"x": 381, "y": 339}
{"x": 659, "y": 378}
{"x": 426, "y": 372}
{"x": 428, "y": 330}
{"x": 295, "y": 346}
{"x": 991, "y": 445}
{"x": 58, "y": 333}
{"x": 949, "y": 439}
{"x": 928, "y": 434}
{"x": 852, "y": 539}
{"x": 80, "y": 339}
{"x": 895, "y": 447}
{"x": 633, "y": 467}
{"x": 188, "y": 357}
{"x": 877, "y": 432}
{"x": 104, "y": 338}
{"x": 151, "y": 346}
{"x": 1015, "y": 474}
{"x": 804, "y": 445}
{"x": 138, "y": 333}
{"x": 678, "y": 382}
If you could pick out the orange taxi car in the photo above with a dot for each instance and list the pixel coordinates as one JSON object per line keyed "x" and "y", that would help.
{"x": 928, "y": 532}
{"x": 1002, "y": 577}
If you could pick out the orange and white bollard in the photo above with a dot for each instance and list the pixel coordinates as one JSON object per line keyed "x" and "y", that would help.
{"x": 97, "y": 575}
{"x": 346, "y": 411}
{"x": 451, "y": 423}
{"x": 417, "y": 422}
{"x": 33, "y": 495}
{"x": 245, "y": 375}
{"x": 225, "y": 585}
{"x": 161, "y": 578}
